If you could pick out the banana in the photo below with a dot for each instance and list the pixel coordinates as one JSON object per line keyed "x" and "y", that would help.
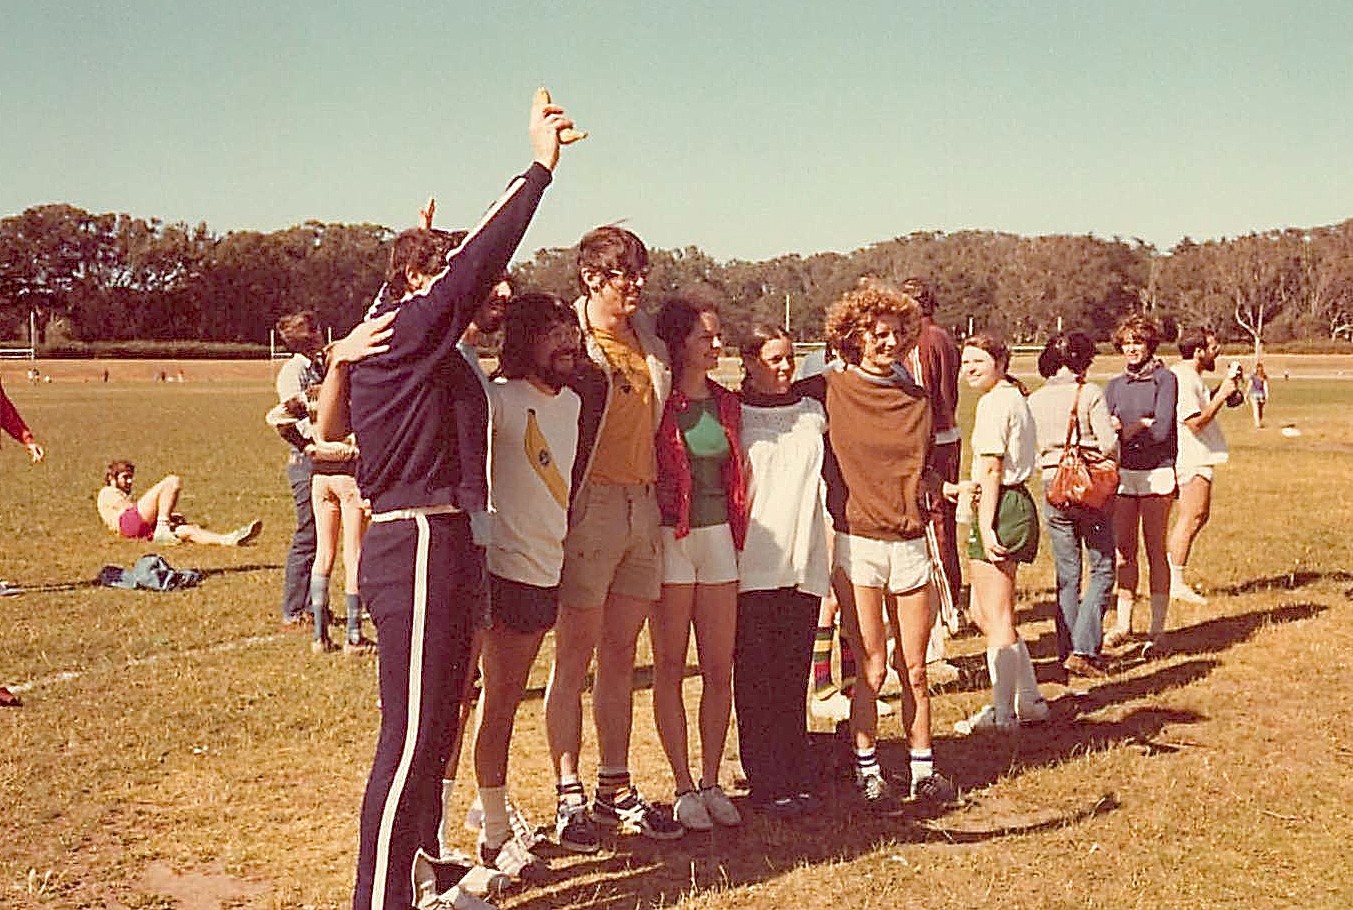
{"x": 539, "y": 455}
{"x": 566, "y": 136}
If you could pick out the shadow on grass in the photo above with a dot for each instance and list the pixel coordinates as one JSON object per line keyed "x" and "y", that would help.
{"x": 57, "y": 587}
{"x": 644, "y": 873}
{"x": 1287, "y": 581}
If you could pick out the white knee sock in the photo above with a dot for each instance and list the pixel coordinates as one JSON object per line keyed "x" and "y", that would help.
{"x": 1002, "y": 683}
{"x": 1027, "y": 695}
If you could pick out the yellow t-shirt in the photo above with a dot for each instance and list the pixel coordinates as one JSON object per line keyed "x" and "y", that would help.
{"x": 624, "y": 452}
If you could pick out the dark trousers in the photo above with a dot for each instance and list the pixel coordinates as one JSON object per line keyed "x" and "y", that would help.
{"x": 421, "y": 579}
{"x": 301, "y": 556}
{"x": 770, "y": 687}
{"x": 945, "y": 460}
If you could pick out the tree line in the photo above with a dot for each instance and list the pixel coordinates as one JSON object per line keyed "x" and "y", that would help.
{"x": 115, "y": 277}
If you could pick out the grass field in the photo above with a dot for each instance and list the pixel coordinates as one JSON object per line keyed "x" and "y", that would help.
{"x": 176, "y": 750}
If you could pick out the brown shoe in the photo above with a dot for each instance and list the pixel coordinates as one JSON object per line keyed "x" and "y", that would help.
{"x": 8, "y": 699}
{"x": 1089, "y": 667}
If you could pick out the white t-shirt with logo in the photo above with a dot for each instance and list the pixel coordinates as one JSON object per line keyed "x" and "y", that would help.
{"x": 1206, "y": 447}
{"x": 534, "y": 438}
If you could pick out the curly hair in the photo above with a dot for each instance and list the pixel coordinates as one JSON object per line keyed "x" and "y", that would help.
{"x": 858, "y": 309}
{"x": 1141, "y": 327}
{"x": 530, "y": 316}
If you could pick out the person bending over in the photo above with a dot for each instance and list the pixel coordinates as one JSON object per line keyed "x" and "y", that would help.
{"x": 152, "y": 516}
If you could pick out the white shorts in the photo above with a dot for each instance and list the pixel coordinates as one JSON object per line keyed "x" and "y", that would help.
{"x": 1155, "y": 482}
{"x": 1185, "y": 473}
{"x": 897, "y": 566}
{"x": 705, "y": 556}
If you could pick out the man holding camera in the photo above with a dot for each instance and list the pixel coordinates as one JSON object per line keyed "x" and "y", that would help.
{"x": 1201, "y": 447}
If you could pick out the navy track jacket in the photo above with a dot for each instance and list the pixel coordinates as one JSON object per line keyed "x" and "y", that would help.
{"x": 405, "y": 401}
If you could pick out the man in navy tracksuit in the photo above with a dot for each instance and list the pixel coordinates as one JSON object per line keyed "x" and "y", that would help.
{"x": 420, "y": 572}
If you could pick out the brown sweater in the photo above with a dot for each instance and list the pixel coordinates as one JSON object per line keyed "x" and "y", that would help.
{"x": 878, "y": 446}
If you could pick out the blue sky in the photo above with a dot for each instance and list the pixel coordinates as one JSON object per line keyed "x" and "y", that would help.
{"x": 749, "y": 130}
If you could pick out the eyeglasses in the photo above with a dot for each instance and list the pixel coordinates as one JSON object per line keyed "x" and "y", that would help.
{"x": 625, "y": 277}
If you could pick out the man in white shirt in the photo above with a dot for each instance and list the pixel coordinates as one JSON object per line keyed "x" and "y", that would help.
{"x": 1201, "y": 447}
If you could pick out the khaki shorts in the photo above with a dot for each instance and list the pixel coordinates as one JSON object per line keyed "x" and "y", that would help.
{"x": 613, "y": 546}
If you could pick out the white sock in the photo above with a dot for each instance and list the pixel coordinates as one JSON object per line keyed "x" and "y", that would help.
{"x": 1123, "y": 621}
{"x": 497, "y": 829}
{"x": 1026, "y": 682}
{"x": 1177, "y": 575}
{"x": 444, "y": 827}
{"x": 1160, "y": 605}
{"x": 1002, "y": 683}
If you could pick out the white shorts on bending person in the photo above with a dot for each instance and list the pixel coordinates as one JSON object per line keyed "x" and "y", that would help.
{"x": 705, "y": 556}
{"x": 896, "y": 566}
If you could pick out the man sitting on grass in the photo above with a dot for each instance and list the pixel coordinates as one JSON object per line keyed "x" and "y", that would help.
{"x": 152, "y": 517}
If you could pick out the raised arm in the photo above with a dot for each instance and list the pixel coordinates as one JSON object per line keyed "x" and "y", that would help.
{"x": 334, "y": 419}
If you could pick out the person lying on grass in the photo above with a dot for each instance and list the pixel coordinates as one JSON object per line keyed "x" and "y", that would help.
{"x": 152, "y": 517}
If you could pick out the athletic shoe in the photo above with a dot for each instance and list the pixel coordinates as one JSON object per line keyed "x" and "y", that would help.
{"x": 690, "y": 812}
{"x": 876, "y": 793}
{"x": 361, "y": 647}
{"x": 164, "y": 537}
{"x": 1181, "y": 591}
{"x": 984, "y": 721}
{"x": 1153, "y": 649}
{"x": 512, "y": 858}
{"x": 719, "y": 806}
{"x": 934, "y": 789}
{"x": 1089, "y": 667}
{"x": 941, "y": 673}
{"x": 835, "y": 707}
{"x": 9, "y": 589}
{"x": 441, "y": 885}
{"x": 629, "y": 811}
{"x": 574, "y": 828}
{"x": 9, "y": 700}
{"x": 301, "y": 622}
{"x": 325, "y": 645}
{"x": 246, "y": 534}
{"x": 1117, "y": 637}
{"x": 1036, "y": 713}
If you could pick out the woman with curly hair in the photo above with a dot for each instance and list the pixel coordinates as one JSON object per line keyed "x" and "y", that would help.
{"x": 1142, "y": 402}
{"x": 1003, "y": 534}
{"x": 874, "y": 496}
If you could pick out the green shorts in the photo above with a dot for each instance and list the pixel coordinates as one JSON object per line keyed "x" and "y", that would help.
{"x": 1016, "y": 526}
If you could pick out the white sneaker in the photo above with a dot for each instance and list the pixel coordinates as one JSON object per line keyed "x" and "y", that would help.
{"x": 984, "y": 721}
{"x": 719, "y": 807}
{"x": 426, "y": 893}
{"x": 164, "y": 537}
{"x": 246, "y": 534}
{"x": 941, "y": 673}
{"x": 513, "y": 858}
{"x": 690, "y": 812}
{"x": 835, "y": 707}
{"x": 1035, "y": 713}
{"x": 1181, "y": 591}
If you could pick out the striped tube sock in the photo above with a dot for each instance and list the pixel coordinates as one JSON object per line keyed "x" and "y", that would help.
{"x": 611, "y": 781}
{"x": 847, "y": 666}
{"x": 922, "y": 763}
{"x": 867, "y": 762}
{"x": 822, "y": 661}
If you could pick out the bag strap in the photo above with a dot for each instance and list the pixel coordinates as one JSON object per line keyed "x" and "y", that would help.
{"x": 1073, "y": 424}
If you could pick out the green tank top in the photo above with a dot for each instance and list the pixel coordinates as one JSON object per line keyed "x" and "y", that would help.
{"x": 707, "y": 447}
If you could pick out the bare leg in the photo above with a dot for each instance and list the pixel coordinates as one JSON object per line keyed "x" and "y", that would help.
{"x": 993, "y": 597}
{"x": 354, "y": 530}
{"x": 913, "y": 618}
{"x": 613, "y": 690}
{"x": 325, "y": 504}
{"x": 1126, "y": 512}
{"x": 575, "y": 641}
{"x": 716, "y": 624}
{"x": 669, "y": 630}
{"x": 1195, "y": 508}
{"x": 508, "y": 656}
{"x": 159, "y": 501}
{"x": 862, "y": 623}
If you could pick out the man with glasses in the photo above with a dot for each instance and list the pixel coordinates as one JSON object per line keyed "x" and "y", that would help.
{"x": 612, "y": 571}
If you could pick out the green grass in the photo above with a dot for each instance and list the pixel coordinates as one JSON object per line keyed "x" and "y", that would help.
{"x": 181, "y": 729}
